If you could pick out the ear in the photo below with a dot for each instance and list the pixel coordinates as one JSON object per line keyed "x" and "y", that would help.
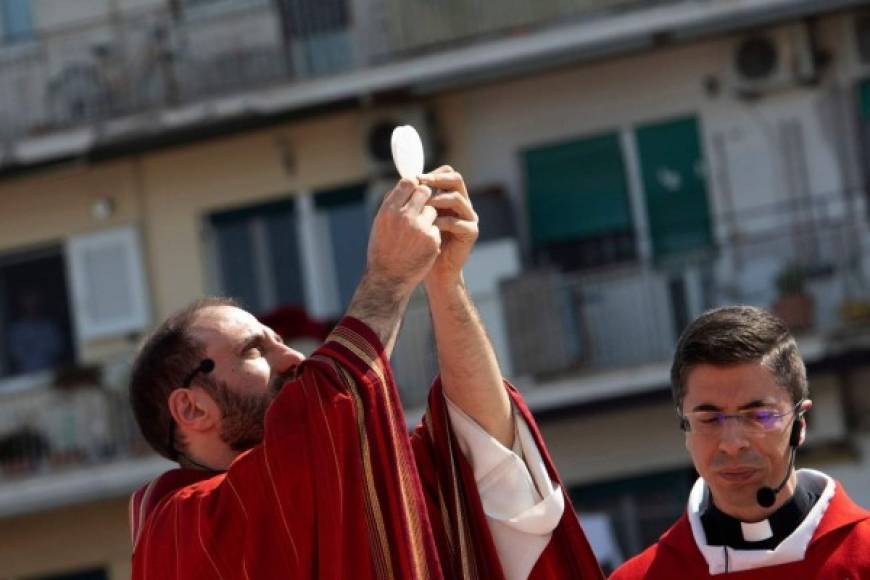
{"x": 193, "y": 409}
{"x": 806, "y": 406}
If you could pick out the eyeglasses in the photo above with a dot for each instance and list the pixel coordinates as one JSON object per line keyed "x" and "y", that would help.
{"x": 753, "y": 421}
{"x": 205, "y": 366}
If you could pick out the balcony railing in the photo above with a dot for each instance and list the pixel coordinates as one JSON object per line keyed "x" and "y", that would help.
{"x": 141, "y": 60}
{"x": 545, "y": 324}
{"x": 53, "y": 430}
{"x": 417, "y": 25}
{"x": 558, "y": 325}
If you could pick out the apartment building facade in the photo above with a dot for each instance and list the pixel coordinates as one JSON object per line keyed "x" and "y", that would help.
{"x": 633, "y": 162}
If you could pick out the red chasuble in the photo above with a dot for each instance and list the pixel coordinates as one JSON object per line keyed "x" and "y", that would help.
{"x": 461, "y": 530}
{"x": 332, "y": 492}
{"x": 839, "y": 550}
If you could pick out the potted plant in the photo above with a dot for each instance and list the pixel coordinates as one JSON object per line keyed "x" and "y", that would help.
{"x": 794, "y": 305}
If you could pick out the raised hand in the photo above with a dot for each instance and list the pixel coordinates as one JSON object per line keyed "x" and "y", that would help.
{"x": 405, "y": 240}
{"x": 403, "y": 245}
{"x": 456, "y": 220}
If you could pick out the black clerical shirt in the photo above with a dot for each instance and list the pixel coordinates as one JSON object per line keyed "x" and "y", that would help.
{"x": 724, "y": 530}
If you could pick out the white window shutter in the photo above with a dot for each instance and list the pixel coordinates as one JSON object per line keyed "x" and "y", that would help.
{"x": 107, "y": 279}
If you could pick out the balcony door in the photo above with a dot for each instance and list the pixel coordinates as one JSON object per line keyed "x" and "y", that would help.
{"x": 578, "y": 203}
{"x": 675, "y": 186}
{"x": 17, "y": 20}
{"x": 35, "y": 325}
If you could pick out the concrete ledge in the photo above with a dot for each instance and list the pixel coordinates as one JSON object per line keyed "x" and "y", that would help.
{"x": 53, "y": 490}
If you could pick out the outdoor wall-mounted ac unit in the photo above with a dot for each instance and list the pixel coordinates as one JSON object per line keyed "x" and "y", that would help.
{"x": 377, "y": 130}
{"x": 773, "y": 60}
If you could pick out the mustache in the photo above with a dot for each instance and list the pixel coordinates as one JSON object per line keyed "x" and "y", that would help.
{"x": 277, "y": 382}
{"x": 751, "y": 460}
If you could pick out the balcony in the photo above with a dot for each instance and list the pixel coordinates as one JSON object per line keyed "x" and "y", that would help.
{"x": 143, "y": 61}
{"x": 421, "y": 25}
{"x": 73, "y": 436}
{"x": 132, "y": 62}
{"x": 597, "y": 329}
{"x": 146, "y": 59}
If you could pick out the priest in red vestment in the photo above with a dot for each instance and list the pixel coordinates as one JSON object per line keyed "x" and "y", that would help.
{"x": 303, "y": 468}
{"x": 741, "y": 392}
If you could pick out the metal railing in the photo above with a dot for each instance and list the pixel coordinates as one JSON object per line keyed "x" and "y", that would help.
{"x": 145, "y": 59}
{"x": 545, "y": 324}
{"x": 557, "y": 324}
{"x": 417, "y": 25}
{"x": 52, "y": 430}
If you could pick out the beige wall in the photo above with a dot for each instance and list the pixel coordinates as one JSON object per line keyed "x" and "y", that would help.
{"x": 625, "y": 442}
{"x": 56, "y": 203}
{"x": 612, "y": 444}
{"x": 67, "y": 540}
{"x": 168, "y": 193}
{"x": 182, "y": 185}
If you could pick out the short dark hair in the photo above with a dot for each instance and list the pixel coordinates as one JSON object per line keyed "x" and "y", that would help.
{"x": 166, "y": 357}
{"x": 735, "y": 335}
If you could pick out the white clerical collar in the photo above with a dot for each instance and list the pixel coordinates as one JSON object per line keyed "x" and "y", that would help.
{"x": 723, "y": 559}
{"x": 756, "y": 531}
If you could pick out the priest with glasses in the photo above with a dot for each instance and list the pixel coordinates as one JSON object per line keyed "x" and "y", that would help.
{"x": 741, "y": 393}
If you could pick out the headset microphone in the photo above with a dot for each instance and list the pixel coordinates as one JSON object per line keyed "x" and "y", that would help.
{"x": 766, "y": 496}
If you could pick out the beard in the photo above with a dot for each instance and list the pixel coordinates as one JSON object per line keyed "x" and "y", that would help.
{"x": 243, "y": 416}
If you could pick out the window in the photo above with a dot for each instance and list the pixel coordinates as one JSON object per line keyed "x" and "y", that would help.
{"x": 578, "y": 204}
{"x": 310, "y": 17}
{"x": 108, "y": 283}
{"x": 17, "y": 20}
{"x": 35, "y": 323}
{"x": 496, "y": 215}
{"x": 93, "y": 574}
{"x": 675, "y": 186}
{"x": 317, "y": 34}
{"x": 639, "y": 508}
{"x": 578, "y": 196}
{"x": 258, "y": 255}
{"x": 347, "y": 221}
{"x": 863, "y": 90}
{"x": 210, "y": 4}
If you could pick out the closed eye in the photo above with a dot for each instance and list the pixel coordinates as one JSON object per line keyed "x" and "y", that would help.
{"x": 254, "y": 345}
{"x": 763, "y": 416}
{"x": 709, "y": 418}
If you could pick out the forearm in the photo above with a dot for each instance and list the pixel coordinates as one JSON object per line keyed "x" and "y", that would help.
{"x": 469, "y": 368}
{"x": 380, "y": 303}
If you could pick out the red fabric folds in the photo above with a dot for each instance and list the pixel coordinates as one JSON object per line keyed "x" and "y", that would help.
{"x": 839, "y": 550}
{"x": 335, "y": 492}
{"x": 462, "y": 533}
{"x": 331, "y": 493}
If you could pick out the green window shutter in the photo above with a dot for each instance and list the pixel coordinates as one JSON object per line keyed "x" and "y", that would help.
{"x": 675, "y": 186}
{"x": 864, "y": 100}
{"x": 577, "y": 190}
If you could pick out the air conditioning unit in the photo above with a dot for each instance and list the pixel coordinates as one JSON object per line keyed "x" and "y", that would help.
{"x": 377, "y": 130}
{"x": 773, "y": 60}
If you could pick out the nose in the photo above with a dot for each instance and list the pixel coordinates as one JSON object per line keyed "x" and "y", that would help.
{"x": 733, "y": 439}
{"x": 283, "y": 358}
